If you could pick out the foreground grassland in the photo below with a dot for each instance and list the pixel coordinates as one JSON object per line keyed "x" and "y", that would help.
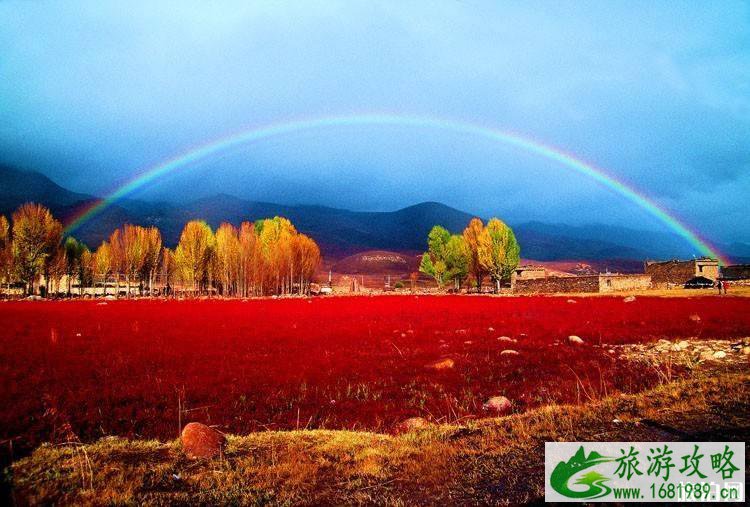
{"x": 487, "y": 461}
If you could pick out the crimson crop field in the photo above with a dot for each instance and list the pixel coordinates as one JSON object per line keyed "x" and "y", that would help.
{"x": 126, "y": 367}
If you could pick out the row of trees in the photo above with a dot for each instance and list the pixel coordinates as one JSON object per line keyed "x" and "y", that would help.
{"x": 479, "y": 252}
{"x": 265, "y": 257}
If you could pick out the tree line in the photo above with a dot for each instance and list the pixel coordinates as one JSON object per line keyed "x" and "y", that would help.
{"x": 481, "y": 251}
{"x": 264, "y": 257}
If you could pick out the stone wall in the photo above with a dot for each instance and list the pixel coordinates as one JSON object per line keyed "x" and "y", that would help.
{"x": 554, "y": 284}
{"x": 670, "y": 272}
{"x": 613, "y": 282}
{"x": 736, "y": 272}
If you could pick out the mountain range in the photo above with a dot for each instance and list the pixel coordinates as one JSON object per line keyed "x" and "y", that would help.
{"x": 342, "y": 232}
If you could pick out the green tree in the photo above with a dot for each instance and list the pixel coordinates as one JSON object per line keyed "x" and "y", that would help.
{"x": 433, "y": 261}
{"x": 457, "y": 259}
{"x": 447, "y": 257}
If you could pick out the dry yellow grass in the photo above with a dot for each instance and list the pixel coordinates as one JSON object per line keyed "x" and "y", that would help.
{"x": 487, "y": 461}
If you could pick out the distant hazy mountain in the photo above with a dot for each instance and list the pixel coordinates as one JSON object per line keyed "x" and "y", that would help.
{"x": 17, "y": 187}
{"x": 341, "y": 232}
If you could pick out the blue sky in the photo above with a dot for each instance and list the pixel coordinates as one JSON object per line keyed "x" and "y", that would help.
{"x": 658, "y": 93}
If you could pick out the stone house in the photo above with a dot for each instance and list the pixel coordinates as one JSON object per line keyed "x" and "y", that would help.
{"x": 676, "y": 273}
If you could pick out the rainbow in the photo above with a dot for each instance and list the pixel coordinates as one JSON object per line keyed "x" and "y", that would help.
{"x": 258, "y": 133}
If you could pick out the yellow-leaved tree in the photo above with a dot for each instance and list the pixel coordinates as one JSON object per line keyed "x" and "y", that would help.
{"x": 498, "y": 251}
{"x": 194, "y": 254}
{"x": 472, "y": 236}
{"x": 36, "y": 236}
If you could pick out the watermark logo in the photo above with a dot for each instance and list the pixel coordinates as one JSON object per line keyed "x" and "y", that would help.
{"x": 645, "y": 471}
{"x": 595, "y": 482}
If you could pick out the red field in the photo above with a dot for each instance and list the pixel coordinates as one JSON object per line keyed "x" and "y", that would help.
{"x": 125, "y": 367}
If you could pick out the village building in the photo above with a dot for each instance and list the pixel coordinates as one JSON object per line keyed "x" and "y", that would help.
{"x": 677, "y": 273}
{"x": 528, "y": 272}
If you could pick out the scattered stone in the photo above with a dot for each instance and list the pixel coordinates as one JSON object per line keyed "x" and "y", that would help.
{"x": 572, "y": 301}
{"x": 629, "y": 299}
{"x": 707, "y": 355}
{"x": 443, "y": 364}
{"x": 695, "y": 317}
{"x": 506, "y": 339}
{"x": 509, "y": 352}
{"x": 498, "y": 405}
{"x": 720, "y": 354}
{"x": 611, "y": 351}
{"x": 746, "y": 351}
{"x": 200, "y": 441}
{"x": 575, "y": 340}
{"x": 683, "y": 344}
{"x": 411, "y": 424}
{"x": 468, "y": 342}
{"x": 490, "y": 329}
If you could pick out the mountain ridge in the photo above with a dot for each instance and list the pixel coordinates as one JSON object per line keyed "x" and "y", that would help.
{"x": 340, "y": 232}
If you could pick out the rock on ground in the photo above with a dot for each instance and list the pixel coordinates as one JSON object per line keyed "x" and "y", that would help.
{"x": 575, "y": 340}
{"x": 509, "y": 352}
{"x": 201, "y": 441}
{"x": 411, "y": 424}
{"x": 498, "y": 405}
{"x": 443, "y": 364}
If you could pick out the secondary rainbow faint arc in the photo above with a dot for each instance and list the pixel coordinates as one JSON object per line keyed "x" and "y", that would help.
{"x": 509, "y": 138}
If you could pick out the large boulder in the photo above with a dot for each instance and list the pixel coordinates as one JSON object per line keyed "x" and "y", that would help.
{"x": 201, "y": 441}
